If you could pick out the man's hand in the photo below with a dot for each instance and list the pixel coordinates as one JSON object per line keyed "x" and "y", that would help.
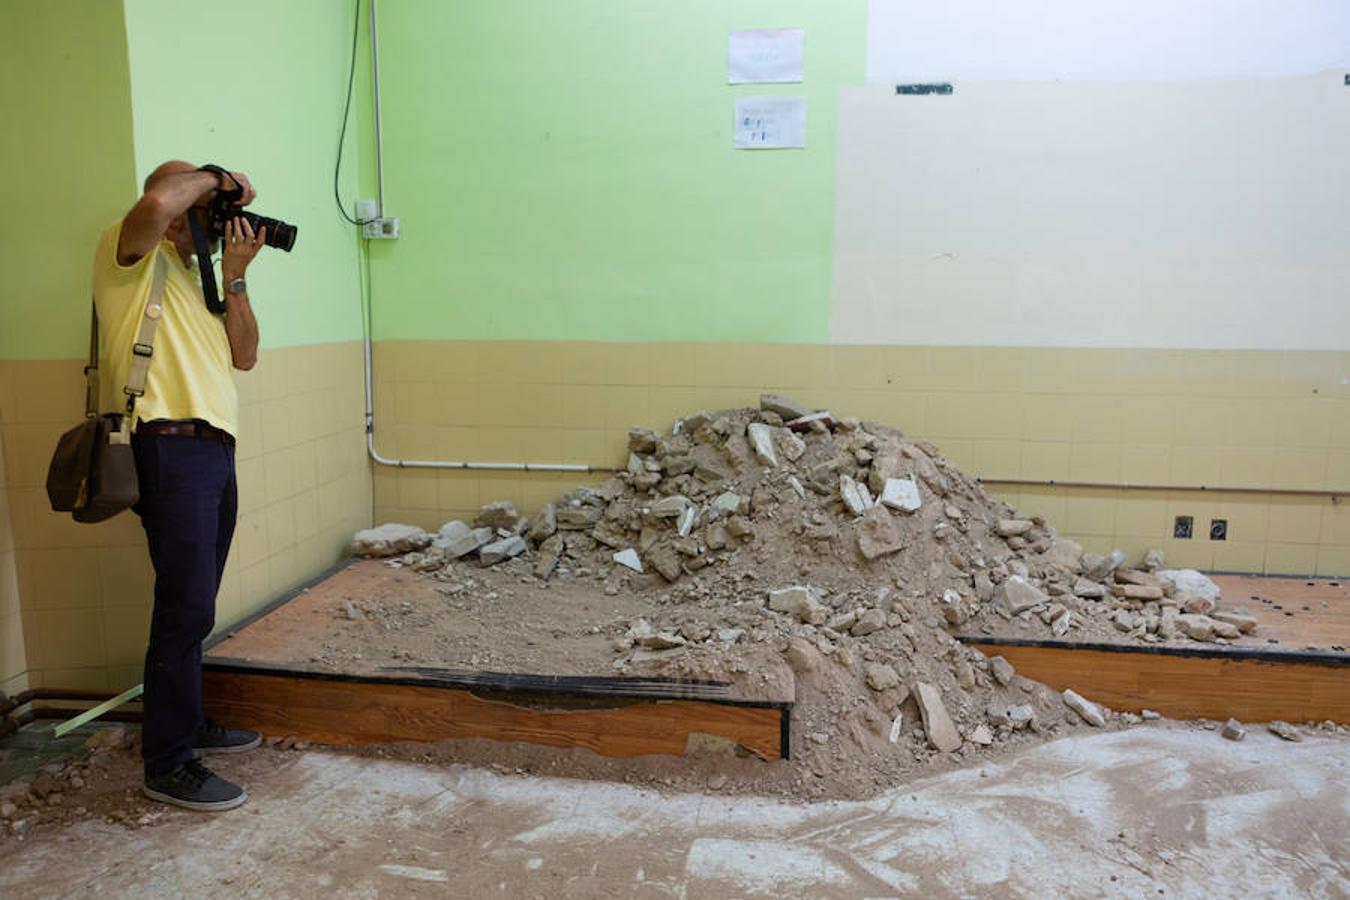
{"x": 241, "y": 245}
{"x": 241, "y": 181}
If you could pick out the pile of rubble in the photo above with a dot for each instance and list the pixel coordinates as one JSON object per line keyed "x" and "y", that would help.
{"x": 845, "y": 553}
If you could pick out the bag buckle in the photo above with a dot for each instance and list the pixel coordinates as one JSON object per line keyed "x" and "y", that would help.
{"x": 140, "y": 349}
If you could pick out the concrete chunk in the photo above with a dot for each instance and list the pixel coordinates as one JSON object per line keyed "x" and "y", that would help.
{"x": 390, "y": 539}
{"x": 856, "y": 499}
{"x": 629, "y": 558}
{"x": 1233, "y": 730}
{"x": 937, "y": 723}
{"x": 1089, "y": 711}
{"x": 498, "y": 514}
{"x": 901, "y": 494}
{"x": 493, "y": 553}
{"x": 1013, "y": 527}
{"x": 799, "y": 601}
{"x": 879, "y": 533}
{"x": 785, "y": 407}
{"x": 761, "y": 441}
{"x": 1017, "y": 595}
{"x": 1002, "y": 670}
{"x": 880, "y": 677}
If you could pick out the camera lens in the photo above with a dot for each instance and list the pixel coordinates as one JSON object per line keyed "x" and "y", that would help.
{"x": 279, "y": 234}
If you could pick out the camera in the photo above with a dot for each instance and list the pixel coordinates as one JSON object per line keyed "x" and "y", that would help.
{"x": 222, "y": 209}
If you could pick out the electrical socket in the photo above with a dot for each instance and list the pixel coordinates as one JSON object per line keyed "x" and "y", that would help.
{"x": 381, "y": 229}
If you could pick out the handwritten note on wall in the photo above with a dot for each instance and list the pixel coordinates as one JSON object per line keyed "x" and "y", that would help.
{"x": 770, "y": 123}
{"x": 766, "y": 56}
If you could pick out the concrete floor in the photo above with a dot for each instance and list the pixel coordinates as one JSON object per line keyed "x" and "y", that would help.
{"x": 1162, "y": 810}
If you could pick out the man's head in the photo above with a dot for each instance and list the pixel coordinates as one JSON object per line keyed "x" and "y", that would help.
{"x": 178, "y": 231}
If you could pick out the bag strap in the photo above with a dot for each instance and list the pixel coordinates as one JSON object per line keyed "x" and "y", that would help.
{"x": 91, "y": 367}
{"x": 144, "y": 346}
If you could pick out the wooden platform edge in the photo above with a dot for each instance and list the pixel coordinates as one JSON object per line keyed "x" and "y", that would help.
{"x": 1259, "y": 654}
{"x": 346, "y": 709}
{"x": 1257, "y": 687}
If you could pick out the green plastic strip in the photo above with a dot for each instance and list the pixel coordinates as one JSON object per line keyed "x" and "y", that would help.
{"x": 90, "y": 715}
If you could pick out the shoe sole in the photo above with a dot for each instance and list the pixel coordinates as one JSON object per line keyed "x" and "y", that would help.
{"x": 199, "y": 806}
{"x": 233, "y": 748}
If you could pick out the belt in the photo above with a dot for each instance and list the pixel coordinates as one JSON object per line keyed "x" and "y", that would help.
{"x": 185, "y": 429}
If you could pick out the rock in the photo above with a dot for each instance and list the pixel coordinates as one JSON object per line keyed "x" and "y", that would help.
{"x": 1199, "y": 628}
{"x": 545, "y": 524}
{"x": 1085, "y": 708}
{"x": 784, "y": 407}
{"x": 730, "y": 635}
{"x": 981, "y": 735}
{"x": 629, "y": 558}
{"x": 7, "y": 810}
{"x": 1280, "y": 729}
{"x": 495, "y": 552}
{"x": 1099, "y": 568}
{"x": 670, "y": 507}
{"x": 665, "y": 560}
{"x": 799, "y": 601}
{"x": 984, "y": 586}
{"x": 792, "y": 446}
{"x": 856, "y": 498}
{"x": 643, "y": 440}
{"x": 1002, "y": 670}
{"x": 727, "y": 504}
{"x": 550, "y": 554}
{"x": 1243, "y": 622}
{"x": 110, "y": 738}
{"x": 1088, "y": 590}
{"x": 1136, "y": 592}
{"x": 579, "y": 518}
{"x": 1059, "y": 626}
{"x": 351, "y": 611}
{"x": 1153, "y": 560}
{"x": 1013, "y": 527}
{"x": 1063, "y": 553}
{"x": 1233, "y": 730}
{"x": 879, "y": 533}
{"x": 1149, "y": 715}
{"x": 901, "y": 494}
{"x": 467, "y": 544}
{"x": 1189, "y": 581}
{"x": 1197, "y": 604}
{"x": 1016, "y": 595}
{"x": 449, "y": 533}
{"x": 801, "y": 656}
{"x": 661, "y": 641}
{"x": 1142, "y": 579}
{"x": 497, "y": 514}
{"x": 761, "y": 442}
{"x": 937, "y": 724}
{"x": 390, "y": 539}
{"x": 881, "y": 677}
{"x": 868, "y": 623}
{"x": 1021, "y": 716}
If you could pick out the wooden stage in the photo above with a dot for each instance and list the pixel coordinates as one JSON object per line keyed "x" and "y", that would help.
{"x": 1294, "y": 667}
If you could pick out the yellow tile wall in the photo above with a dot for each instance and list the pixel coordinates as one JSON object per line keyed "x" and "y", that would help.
{"x": 1164, "y": 417}
{"x": 83, "y": 593}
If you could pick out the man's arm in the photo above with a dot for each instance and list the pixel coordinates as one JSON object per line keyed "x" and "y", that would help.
{"x": 241, "y": 327}
{"x": 166, "y": 199}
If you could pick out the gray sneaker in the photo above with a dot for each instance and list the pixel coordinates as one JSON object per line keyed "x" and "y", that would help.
{"x": 194, "y": 786}
{"x": 216, "y": 738}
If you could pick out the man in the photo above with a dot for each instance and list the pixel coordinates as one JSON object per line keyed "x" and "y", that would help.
{"x": 184, "y": 434}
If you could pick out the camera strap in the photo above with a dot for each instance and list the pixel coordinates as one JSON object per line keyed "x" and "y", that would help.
{"x": 209, "y": 292}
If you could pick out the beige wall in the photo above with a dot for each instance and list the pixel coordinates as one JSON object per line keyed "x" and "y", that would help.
{"x": 1240, "y": 419}
{"x": 1200, "y": 214}
{"x": 85, "y": 591}
{"x": 13, "y": 658}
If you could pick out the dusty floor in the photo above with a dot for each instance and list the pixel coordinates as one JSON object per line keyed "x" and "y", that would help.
{"x": 1161, "y": 810}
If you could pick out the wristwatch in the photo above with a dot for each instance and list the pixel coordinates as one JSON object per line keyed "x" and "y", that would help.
{"x": 237, "y": 286}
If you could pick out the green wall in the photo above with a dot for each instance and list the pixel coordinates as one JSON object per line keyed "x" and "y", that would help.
{"x": 565, "y": 171}
{"x": 257, "y": 85}
{"x": 66, "y": 155}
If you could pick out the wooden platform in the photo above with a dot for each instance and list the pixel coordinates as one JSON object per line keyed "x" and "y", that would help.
{"x": 267, "y": 687}
{"x": 608, "y": 717}
{"x": 1293, "y": 667}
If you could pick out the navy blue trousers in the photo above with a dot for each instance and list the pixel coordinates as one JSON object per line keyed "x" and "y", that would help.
{"x": 188, "y": 505}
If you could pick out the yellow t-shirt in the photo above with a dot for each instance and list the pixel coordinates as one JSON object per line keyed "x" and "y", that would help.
{"x": 191, "y": 372}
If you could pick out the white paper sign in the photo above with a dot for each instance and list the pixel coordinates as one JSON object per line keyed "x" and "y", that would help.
{"x": 768, "y": 56}
{"x": 770, "y": 123}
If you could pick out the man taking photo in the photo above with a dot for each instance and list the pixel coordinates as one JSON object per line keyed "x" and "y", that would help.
{"x": 183, "y": 440}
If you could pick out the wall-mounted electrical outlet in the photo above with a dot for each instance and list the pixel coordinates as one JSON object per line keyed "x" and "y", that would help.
{"x": 1182, "y": 527}
{"x": 372, "y": 226}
